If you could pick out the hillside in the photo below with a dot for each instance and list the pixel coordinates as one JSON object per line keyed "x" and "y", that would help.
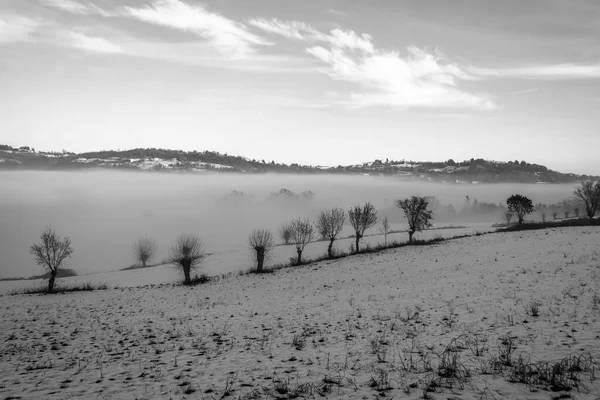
{"x": 500, "y": 316}
{"x": 469, "y": 171}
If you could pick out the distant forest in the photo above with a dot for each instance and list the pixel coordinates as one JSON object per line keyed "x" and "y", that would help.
{"x": 469, "y": 171}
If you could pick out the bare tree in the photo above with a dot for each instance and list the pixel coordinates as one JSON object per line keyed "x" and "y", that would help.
{"x": 143, "y": 250}
{"x": 520, "y": 206}
{"x": 361, "y": 219}
{"x": 541, "y": 209}
{"x": 589, "y": 194}
{"x": 416, "y": 212}
{"x": 187, "y": 253}
{"x": 260, "y": 242}
{"x": 329, "y": 224}
{"x": 285, "y": 233}
{"x": 302, "y": 234}
{"x": 508, "y": 216}
{"x": 385, "y": 228}
{"x": 51, "y": 253}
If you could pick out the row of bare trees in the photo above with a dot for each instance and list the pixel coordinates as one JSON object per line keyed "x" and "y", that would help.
{"x": 188, "y": 250}
{"x": 330, "y": 223}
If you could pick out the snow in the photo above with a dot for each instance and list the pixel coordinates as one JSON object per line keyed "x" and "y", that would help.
{"x": 244, "y": 334}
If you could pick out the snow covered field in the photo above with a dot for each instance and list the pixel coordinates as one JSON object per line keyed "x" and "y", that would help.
{"x": 454, "y": 320}
{"x": 235, "y": 259}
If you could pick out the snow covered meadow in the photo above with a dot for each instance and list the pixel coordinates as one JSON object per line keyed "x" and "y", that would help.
{"x": 498, "y": 316}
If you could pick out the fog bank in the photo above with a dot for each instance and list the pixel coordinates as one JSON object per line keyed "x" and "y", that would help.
{"x": 104, "y": 212}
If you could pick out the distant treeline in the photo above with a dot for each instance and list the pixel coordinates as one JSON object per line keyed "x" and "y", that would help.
{"x": 468, "y": 171}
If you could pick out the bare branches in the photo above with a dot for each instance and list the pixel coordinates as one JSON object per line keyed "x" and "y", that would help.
{"x": 589, "y": 194}
{"x": 187, "y": 253}
{"x": 51, "y": 252}
{"x": 302, "y": 233}
{"x": 385, "y": 229}
{"x": 285, "y": 233}
{"x": 416, "y": 212}
{"x": 260, "y": 242}
{"x": 329, "y": 224}
{"x": 143, "y": 250}
{"x": 362, "y": 219}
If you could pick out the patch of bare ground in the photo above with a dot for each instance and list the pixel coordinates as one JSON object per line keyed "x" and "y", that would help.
{"x": 502, "y": 316}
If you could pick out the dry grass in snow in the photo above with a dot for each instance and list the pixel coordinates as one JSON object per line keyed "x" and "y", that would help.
{"x": 500, "y": 316}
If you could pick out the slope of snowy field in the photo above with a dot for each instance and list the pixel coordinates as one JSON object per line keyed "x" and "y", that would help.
{"x": 236, "y": 258}
{"x": 456, "y": 320}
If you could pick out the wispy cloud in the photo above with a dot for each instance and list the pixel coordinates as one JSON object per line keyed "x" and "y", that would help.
{"x": 525, "y": 91}
{"x": 416, "y": 79}
{"x": 16, "y": 28}
{"x": 337, "y": 12}
{"x": 87, "y": 43}
{"x": 230, "y": 37}
{"x": 549, "y": 72}
{"x": 290, "y": 29}
{"x": 77, "y": 7}
{"x": 302, "y": 31}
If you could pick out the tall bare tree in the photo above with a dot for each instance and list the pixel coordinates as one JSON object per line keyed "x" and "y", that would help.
{"x": 143, "y": 250}
{"x": 361, "y": 219}
{"x": 260, "y": 242}
{"x": 589, "y": 194}
{"x": 416, "y": 212}
{"x": 385, "y": 228}
{"x": 329, "y": 224}
{"x": 187, "y": 253}
{"x": 302, "y": 234}
{"x": 51, "y": 253}
{"x": 285, "y": 233}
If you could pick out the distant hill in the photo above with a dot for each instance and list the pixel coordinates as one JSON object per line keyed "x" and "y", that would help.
{"x": 469, "y": 171}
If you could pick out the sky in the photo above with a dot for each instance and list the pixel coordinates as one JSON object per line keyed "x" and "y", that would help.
{"x": 319, "y": 82}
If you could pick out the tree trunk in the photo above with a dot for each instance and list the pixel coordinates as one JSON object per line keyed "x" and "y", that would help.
{"x": 143, "y": 263}
{"x": 51, "y": 282}
{"x": 410, "y": 235}
{"x": 520, "y": 220}
{"x": 186, "y": 271}
{"x": 330, "y": 249}
{"x": 357, "y": 241}
{"x": 260, "y": 258}
{"x": 299, "y": 259}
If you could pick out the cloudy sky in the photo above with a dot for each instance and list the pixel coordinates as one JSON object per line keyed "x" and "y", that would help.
{"x": 317, "y": 81}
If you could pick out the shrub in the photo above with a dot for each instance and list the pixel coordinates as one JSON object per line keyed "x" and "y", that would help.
{"x": 79, "y": 287}
{"x": 533, "y": 308}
